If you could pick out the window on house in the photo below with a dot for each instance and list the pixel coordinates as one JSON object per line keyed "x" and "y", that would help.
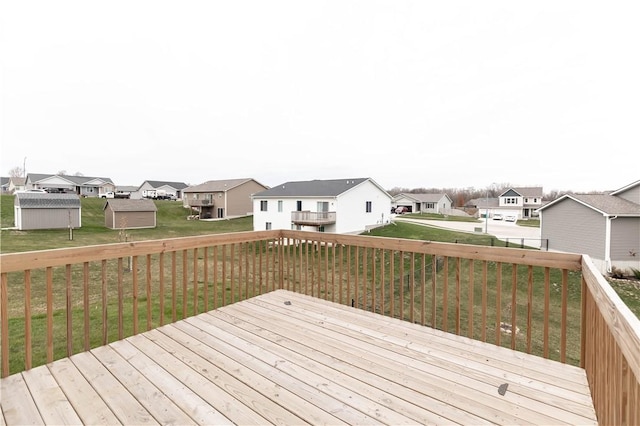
{"x": 267, "y": 226}
{"x": 263, "y": 205}
{"x": 510, "y": 200}
{"x": 323, "y": 206}
{"x": 367, "y": 206}
{"x": 320, "y": 228}
{"x": 299, "y": 205}
{"x": 279, "y": 206}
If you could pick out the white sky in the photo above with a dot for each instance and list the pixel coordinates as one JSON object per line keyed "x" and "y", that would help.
{"x": 410, "y": 93}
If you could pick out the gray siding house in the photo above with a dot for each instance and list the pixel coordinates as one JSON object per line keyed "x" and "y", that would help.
{"x": 130, "y": 214}
{"x": 46, "y": 211}
{"x": 604, "y": 226}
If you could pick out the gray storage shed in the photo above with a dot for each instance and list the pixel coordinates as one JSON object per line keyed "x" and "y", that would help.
{"x": 130, "y": 214}
{"x": 34, "y": 210}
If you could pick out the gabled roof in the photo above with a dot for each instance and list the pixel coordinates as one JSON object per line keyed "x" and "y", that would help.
{"x": 18, "y": 181}
{"x": 78, "y": 180}
{"x": 626, "y": 188}
{"x": 607, "y": 204}
{"x": 527, "y": 191}
{"x": 314, "y": 188}
{"x": 4, "y": 181}
{"x": 219, "y": 185}
{"x": 423, "y": 197}
{"x": 35, "y": 200}
{"x": 160, "y": 183}
{"x": 125, "y": 205}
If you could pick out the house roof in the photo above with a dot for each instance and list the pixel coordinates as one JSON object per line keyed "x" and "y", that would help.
{"x": 161, "y": 183}
{"x": 4, "y": 181}
{"x": 78, "y": 180}
{"x": 483, "y": 202}
{"x": 35, "y": 200}
{"x": 125, "y": 205}
{"x": 217, "y": 185}
{"x": 423, "y": 197}
{"x": 313, "y": 188}
{"x": 18, "y": 181}
{"x": 126, "y": 188}
{"x": 606, "y": 204}
{"x": 626, "y": 188}
{"x": 527, "y": 191}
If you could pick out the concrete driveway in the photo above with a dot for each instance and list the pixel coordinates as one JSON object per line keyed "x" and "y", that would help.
{"x": 498, "y": 228}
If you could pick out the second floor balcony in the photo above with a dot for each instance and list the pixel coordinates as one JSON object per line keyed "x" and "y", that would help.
{"x": 313, "y": 218}
{"x": 200, "y": 203}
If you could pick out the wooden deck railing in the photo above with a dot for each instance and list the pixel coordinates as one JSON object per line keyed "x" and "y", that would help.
{"x": 58, "y": 302}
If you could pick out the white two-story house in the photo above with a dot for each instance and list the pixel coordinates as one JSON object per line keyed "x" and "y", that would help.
{"x": 520, "y": 202}
{"x": 339, "y": 206}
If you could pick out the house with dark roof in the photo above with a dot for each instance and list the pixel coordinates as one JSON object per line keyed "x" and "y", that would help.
{"x": 151, "y": 189}
{"x": 34, "y": 210}
{"x": 339, "y": 206}
{"x": 85, "y": 186}
{"x": 439, "y": 203}
{"x": 219, "y": 199}
{"x": 130, "y": 214}
{"x": 604, "y": 226}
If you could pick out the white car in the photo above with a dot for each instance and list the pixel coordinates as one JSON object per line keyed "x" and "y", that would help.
{"x": 497, "y": 216}
{"x": 510, "y": 218}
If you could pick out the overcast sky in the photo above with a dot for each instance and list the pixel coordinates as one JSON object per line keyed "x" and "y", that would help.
{"x": 410, "y": 93}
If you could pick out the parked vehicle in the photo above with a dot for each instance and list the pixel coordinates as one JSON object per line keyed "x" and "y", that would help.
{"x": 111, "y": 194}
{"x": 510, "y": 218}
{"x": 497, "y": 216}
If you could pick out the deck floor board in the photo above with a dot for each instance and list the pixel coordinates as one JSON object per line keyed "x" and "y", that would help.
{"x": 287, "y": 358}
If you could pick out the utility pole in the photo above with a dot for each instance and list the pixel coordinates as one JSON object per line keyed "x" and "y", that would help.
{"x": 24, "y": 167}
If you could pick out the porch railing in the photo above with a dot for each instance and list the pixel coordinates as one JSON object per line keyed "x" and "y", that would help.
{"x": 56, "y": 303}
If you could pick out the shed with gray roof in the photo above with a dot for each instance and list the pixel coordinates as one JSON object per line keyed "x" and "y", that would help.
{"x": 34, "y": 210}
{"x": 130, "y": 214}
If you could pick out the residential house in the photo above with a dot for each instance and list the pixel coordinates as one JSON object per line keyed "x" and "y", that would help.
{"x": 523, "y": 203}
{"x": 85, "y": 186}
{"x": 339, "y": 206}
{"x": 47, "y": 211}
{"x": 149, "y": 187}
{"x": 423, "y": 202}
{"x": 16, "y": 184}
{"x": 604, "y": 226}
{"x": 4, "y": 185}
{"x": 129, "y": 214}
{"x": 222, "y": 198}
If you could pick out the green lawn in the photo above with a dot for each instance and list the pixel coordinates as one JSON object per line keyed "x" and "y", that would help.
{"x": 172, "y": 222}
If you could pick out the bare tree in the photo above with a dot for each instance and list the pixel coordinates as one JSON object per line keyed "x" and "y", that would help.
{"x": 16, "y": 172}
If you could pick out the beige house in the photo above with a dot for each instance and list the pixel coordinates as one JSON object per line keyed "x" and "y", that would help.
{"x": 219, "y": 199}
{"x": 130, "y": 214}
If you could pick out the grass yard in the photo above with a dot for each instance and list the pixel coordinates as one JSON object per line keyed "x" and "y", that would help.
{"x": 171, "y": 219}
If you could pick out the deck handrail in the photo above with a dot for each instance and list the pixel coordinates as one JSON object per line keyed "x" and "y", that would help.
{"x": 449, "y": 286}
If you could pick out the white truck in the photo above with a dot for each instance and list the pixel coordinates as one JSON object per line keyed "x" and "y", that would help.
{"x": 111, "y": 194}
{"x": 158, "y": 194}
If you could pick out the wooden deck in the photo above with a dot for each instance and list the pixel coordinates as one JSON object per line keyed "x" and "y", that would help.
{"x": 287, "y": 358}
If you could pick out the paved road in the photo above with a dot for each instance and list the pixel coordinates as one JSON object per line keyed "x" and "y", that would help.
{"x": 498, "y": 228}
